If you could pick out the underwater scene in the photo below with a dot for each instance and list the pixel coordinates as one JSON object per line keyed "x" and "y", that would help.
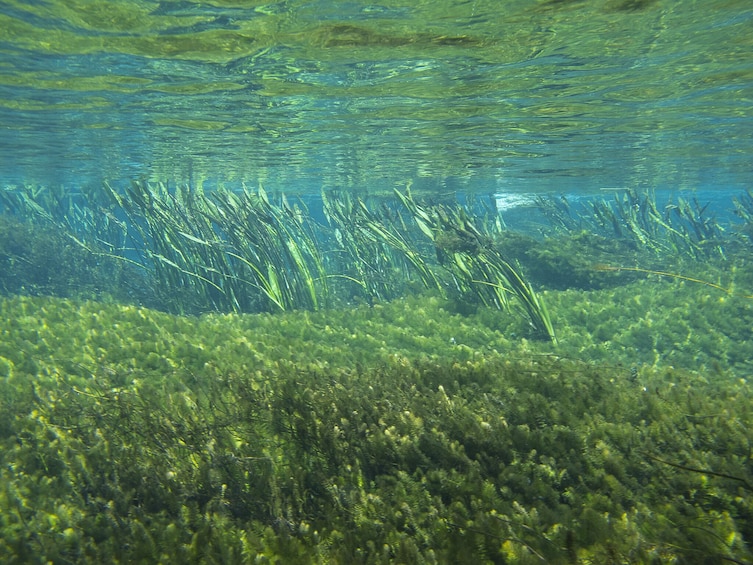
{"x": 463, "y": 282}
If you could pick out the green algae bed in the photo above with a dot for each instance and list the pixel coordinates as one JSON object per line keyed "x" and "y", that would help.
{"x": 404, "y": 432}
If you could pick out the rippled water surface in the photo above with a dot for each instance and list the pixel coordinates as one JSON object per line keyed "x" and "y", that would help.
{"x": 476, "y": 95}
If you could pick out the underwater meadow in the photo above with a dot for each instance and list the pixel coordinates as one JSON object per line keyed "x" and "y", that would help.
{"x": 405, "y": 282}
{"x": 239, "y": 377}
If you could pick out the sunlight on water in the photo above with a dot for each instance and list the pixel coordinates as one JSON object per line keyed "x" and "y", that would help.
{"x": 478, "y": 95}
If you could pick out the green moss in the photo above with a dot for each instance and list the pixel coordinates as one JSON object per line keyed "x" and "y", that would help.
{"x": 567, "y": 261}
{"x": 402, "y": 432}
{"x": 6, "y": 368}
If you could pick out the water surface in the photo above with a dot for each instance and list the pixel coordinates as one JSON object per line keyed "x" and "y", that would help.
{"x": 477, "y": 95}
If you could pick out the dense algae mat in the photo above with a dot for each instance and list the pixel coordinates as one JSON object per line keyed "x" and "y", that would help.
{"x": 399, "y": 433}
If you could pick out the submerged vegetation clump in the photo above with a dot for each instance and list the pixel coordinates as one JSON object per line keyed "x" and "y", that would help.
{"x": 682, "y": 228}
{"x": 477, "y": 266}
{"x": 396, "y": 396}
{"x": 43, "y": 261}
{"x": 395, "y": 433}
{"x": 223, "y": 251}
{"x": 238, "y": 252}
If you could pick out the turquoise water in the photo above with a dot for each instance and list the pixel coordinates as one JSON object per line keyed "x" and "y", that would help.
{"x": 477, "y": 96}
{"x": 475, "y": 284}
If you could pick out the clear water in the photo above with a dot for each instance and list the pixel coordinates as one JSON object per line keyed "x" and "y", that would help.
{"x": 428, "y": 381}
{"x": 479, "y": 96}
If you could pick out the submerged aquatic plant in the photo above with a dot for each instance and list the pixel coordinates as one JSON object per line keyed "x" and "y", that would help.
{"x": 230, "y": 252}
{"x": 246, "y": 251}
{"x": 377, "y": 251}
{"x": 41, "y": 258}
{"x": 85, "y": 216}
{"x": 670, "y": 275}
{"x": 328, "y": 437}
{"x": 477, "y": 267}
{"x": 683, "y": 228}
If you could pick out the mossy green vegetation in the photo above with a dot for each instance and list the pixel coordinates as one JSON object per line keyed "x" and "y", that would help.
{"x": 402, "y": 432}
{"x": 37, "y": 260}
{"x": 387, "y": 403}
